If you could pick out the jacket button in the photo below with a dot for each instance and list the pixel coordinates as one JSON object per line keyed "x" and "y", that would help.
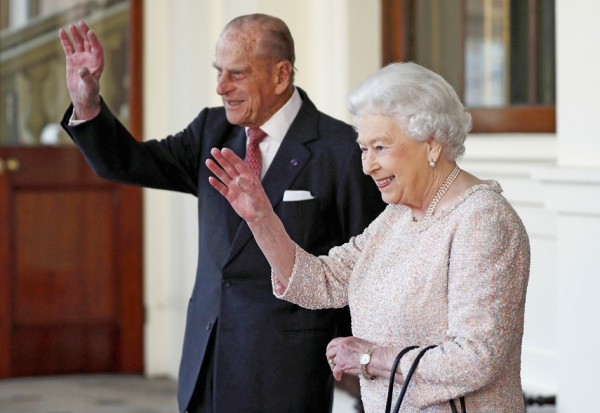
{"x": 226, "y": 283}
{"x": 208, "y": 325}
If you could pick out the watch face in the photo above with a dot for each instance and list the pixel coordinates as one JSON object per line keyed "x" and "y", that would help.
{"x": 364, "y": 359}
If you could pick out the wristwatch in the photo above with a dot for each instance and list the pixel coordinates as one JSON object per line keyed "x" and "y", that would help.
{"x": 366, "y": 359}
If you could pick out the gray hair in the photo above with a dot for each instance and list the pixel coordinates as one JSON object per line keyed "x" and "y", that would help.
{"x": 421, "y": 102}
{"x": 276, "y": 42}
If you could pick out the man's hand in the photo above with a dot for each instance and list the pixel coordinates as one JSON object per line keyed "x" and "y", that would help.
{"x": 85, "y": 63}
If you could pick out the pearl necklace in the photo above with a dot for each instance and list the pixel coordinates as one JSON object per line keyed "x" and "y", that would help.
{"x": 440, "y": 193}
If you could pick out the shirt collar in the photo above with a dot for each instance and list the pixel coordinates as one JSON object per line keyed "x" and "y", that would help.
{"x": 277, "y": 126}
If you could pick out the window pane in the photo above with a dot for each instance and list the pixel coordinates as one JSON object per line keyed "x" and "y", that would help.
{"x": 486, "y": 54}
{"x": 496, "y": 53}
{"x": 436, "y": 38}
{"x": 32, "y": 65}
{"x": 546, "y": 53}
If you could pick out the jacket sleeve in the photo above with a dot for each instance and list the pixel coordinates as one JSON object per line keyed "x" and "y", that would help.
{"x": 322, "y": 282}
{"x": 171, "y": 163}
{"x": 487, "y": 282}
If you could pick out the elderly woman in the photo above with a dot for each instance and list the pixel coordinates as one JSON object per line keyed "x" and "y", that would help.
{"x": 446, "y": 264}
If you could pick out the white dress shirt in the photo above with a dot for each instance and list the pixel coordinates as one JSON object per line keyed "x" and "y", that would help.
{"x": 275, "y": 128}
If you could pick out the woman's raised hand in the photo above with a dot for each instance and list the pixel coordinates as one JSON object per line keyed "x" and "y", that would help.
{"x": 243, "y": 190}
{"x": 85, "y": 63}
{"x": 239, "y": 185}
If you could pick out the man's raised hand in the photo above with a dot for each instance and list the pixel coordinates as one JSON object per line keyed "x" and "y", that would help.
{"x": 85, "y": 63}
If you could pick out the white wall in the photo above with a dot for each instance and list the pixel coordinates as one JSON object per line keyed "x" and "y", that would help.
{"x": 337, "y": 45}
{"x": 572, "y": 191}
{"x": 578, "y": 82}
{"x": 512, "y": 159}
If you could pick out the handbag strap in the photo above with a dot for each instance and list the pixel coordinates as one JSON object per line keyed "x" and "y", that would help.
{"x": 388, "y": 404}
{"x": 409, "y": 376}
{"x": 463, "y": 409}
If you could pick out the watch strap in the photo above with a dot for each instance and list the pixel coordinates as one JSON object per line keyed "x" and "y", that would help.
{"x": 363, "y": 367}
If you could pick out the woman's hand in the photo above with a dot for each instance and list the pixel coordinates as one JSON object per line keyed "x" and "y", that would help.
{"x": 343, "y": 355}
{"x": 239, "y": 185}
{"x": 246, "y": 195}
{"x": 85, "y": 63}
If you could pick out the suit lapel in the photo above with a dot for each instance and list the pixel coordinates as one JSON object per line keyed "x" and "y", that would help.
{"x": 291, "y": 158}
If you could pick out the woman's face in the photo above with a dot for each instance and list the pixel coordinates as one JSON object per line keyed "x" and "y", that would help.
{"x": 398, "y": 164}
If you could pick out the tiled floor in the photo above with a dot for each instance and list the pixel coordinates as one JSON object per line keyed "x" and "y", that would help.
{"x": 114, "y": 394}
{"x": 88, "y": 394}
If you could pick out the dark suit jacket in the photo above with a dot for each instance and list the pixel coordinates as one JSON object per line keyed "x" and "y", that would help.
{"x": 269, "y": 354}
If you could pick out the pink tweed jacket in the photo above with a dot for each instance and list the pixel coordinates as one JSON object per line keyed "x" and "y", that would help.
{"x": 457, "y": 280}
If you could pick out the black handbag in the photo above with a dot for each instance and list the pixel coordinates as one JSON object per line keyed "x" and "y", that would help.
{"x": 412, "y": 369}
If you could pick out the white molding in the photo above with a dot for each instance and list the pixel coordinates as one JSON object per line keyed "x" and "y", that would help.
{"x": 567, "y": 175}
{"x": 570, "y": 190}
{"x": 539, "y": 147}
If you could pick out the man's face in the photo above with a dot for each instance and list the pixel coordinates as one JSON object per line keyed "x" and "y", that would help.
{"x": 246, "y": 81}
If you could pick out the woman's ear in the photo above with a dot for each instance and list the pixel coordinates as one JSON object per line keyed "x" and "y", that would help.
{"x": 434, "y": 149}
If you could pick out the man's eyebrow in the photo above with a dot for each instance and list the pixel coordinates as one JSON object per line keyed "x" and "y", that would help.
{"x": 243, "y": 69}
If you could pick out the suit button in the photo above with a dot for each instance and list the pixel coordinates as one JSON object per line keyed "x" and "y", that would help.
{"x": 208, "y": 325}
{"x": 226, "y": 283}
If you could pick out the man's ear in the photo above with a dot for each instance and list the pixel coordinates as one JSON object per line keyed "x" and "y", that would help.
{"x": 434, "y": 149}
{"x": 283, "y": 73}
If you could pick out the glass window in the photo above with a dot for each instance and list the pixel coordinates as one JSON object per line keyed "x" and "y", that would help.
{"x": 498, "y": 54}
{"x": 32, "y": 65}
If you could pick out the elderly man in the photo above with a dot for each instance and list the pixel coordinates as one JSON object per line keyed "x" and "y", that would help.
{"x": 244, "y": 350}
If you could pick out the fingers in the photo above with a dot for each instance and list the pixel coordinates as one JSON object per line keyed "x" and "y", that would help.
{"x": 218, "y": 185}
{"x": 65, "y": 42}
{"x": 235, "y": 167}
{"x": 224, "y": 163}
{"x": 337, "y": 374}
{"x": 335, "y": 342}
{"x": 219, "y": 173}
{"x": 240, "y": 166}
{"x": 335, "y": 369}
{"x": 96, "y": 48}
{"x": 227, "y": 174}
{"x": 84, "y": 29}
{"x": 77, "y": 39}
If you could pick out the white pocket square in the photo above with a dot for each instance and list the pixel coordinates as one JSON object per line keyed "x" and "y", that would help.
{"x": 296, "y": 196}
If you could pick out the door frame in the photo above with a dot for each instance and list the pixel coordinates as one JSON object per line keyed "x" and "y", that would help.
{"x": 131, "y": 238}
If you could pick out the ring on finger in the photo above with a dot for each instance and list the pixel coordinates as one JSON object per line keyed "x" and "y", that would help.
{"x": 331, "y": 362}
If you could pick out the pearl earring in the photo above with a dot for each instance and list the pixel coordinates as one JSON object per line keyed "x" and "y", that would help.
{"x": 432, "y": 164}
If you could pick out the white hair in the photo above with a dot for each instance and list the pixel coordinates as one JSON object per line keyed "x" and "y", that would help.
{"x": 421, "y": 102}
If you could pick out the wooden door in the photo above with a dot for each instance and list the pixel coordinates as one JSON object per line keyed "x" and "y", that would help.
{"x": 70, "y": 242}
{"x": 70, "y": 267}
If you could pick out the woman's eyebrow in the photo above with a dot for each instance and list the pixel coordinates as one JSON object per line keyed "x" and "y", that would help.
{"x": 372, "y": 139}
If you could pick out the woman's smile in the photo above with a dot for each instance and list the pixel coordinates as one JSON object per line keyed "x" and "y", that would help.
{"x": 384, "y": 183}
